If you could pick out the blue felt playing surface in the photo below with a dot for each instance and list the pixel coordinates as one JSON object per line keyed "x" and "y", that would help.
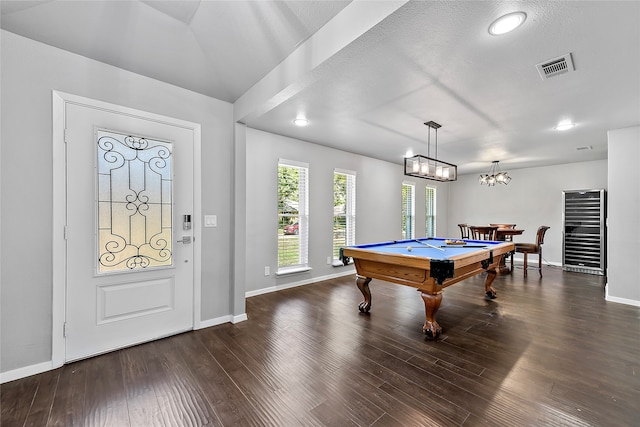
{"x": 420, "y": 249}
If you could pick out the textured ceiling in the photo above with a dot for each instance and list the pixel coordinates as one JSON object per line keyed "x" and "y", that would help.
{"x": 368, "y": 74}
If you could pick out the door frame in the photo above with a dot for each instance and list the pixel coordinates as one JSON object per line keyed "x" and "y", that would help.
{"x": 59, "y": 259}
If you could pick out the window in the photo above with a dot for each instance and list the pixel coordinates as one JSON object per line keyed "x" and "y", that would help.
{"x": 344, "y": 211}
{"x": 293, "y": 216}
{"x": 134, "y": 202}
{"x": 408, "y": 210}
{"x": 430, "y": 211}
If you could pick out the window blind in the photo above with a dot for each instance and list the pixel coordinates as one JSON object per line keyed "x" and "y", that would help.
{"x": 293, "y": 215}
{"x": 430, "y": 211}
{"x": 344, "y": 210}
{"x": 408, "y": 210}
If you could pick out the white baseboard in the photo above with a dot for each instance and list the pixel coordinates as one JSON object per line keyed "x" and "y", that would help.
{"x": 623, "y": 301}
{"x": 270, "y": 289}
{"x": 223, "y": 319}
{"x": 534, "y": 262}
{"x": 240, "y": 318}
{"x": 213, "y": 322}
{"x": 26, "y": 371}
{"x": 619, "y": 300}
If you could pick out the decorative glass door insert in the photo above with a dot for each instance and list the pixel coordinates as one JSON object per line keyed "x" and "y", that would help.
{"x": 134, "y": 202}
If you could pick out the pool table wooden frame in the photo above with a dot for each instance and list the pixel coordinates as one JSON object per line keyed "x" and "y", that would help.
{"x": 430, "y": 275}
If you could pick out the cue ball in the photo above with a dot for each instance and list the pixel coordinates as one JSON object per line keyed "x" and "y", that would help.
{"x": 409, "y": 248}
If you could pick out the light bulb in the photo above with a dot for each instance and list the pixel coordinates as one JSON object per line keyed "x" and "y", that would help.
{"x": 507, "y": 23}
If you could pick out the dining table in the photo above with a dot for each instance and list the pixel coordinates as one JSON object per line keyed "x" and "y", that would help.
{"x": 505, "y": 232}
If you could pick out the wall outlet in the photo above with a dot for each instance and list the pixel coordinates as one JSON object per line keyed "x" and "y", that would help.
{"x": 267, "y": 271}
{"x": 329, "y": 260}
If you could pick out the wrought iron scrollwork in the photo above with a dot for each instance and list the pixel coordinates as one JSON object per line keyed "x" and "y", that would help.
{"x": 134, "y": 202}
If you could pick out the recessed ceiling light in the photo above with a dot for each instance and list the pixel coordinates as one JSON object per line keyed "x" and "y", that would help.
{"x": 564, "y": 125}
{"x": 507, "y": 23}
{"x": 301, "y": 121}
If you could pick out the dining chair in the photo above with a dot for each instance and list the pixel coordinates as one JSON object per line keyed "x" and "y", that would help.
{"x": 483, "y": 232}
{"x": 464, "y": 230}
{"x": 532, "y": 248}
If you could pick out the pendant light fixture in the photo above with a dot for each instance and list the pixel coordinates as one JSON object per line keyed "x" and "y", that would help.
{"x": 494, "y": 176}
{"x": 428, "y": 167}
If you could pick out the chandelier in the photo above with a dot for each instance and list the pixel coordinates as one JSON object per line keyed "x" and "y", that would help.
{"x": 428, "y": 167}
{"x": 494, "y": 176}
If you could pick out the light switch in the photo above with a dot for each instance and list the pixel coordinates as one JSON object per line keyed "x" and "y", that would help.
{"x": 210, "y": 221}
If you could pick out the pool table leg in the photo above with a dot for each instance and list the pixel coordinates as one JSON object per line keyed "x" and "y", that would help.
{"x": 363, "y": 284}
{"x": 431, "y": 305}
{"x": 489, "y": 291}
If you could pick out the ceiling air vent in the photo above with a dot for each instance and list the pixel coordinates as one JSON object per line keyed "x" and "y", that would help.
{"x": 555, "y": 67}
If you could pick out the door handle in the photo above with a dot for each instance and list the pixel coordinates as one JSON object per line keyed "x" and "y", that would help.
{"x": 185, "y": 239}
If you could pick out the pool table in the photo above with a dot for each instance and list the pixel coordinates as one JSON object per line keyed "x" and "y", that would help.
{"x": 430, "y": 265}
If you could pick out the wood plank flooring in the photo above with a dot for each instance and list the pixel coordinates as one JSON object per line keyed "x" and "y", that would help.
{"x": 547, "y": 352}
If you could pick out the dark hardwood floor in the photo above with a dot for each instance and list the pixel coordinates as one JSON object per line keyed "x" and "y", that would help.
{"x": 547, "y": 352}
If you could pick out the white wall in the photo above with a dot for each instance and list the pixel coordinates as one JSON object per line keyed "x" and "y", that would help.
{"x": 378, "y": 205}
{"x": 30, "y": 71}
{"x": 623, "y": 275}
{"x": 532, "y": 198}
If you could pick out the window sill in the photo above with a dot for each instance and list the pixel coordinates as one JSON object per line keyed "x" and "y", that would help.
{"x": 294, "y": 270}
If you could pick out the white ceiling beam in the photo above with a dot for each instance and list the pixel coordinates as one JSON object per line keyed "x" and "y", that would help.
{"x": 295, "y": 73}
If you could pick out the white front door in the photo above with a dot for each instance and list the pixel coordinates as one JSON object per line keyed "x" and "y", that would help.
{"x": 129, "y": 261}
